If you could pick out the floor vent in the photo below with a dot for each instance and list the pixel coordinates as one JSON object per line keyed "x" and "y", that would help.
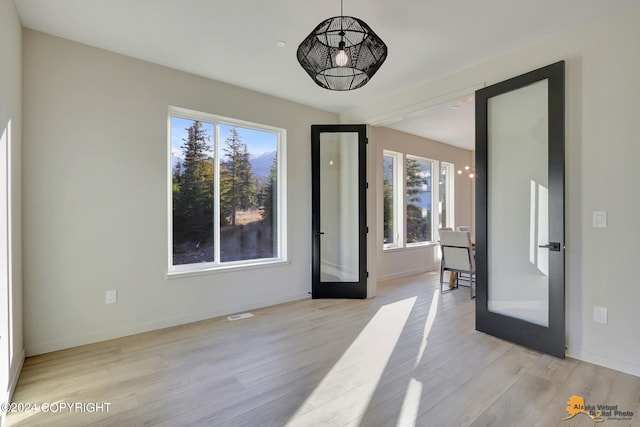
{"x": 239, "y": 316}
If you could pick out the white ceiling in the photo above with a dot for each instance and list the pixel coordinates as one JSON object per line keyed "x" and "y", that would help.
{"x": 234, "y": 41}
{"x": 452, "y": 123}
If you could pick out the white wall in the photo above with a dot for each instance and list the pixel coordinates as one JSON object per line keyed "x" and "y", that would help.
{"x": 11, "y": 111}
{"x": 602, "y": 173}
{"x": 401, "y": 262}
{"x": 95, "y": 196}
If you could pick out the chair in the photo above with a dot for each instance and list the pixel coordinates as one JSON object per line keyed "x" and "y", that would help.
{"x": 457, "y": 256}
{"x": 473, "y": 242}
{"x": 465, "y": 228}
{"x": 445, "y": 228}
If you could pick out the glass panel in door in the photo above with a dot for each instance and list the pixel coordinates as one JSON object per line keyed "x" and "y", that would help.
{"x": 517, "y": 216}
{"x": 339, "y": 220}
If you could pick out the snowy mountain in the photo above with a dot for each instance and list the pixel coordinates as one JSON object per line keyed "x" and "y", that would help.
{"x": 261, "y": 165}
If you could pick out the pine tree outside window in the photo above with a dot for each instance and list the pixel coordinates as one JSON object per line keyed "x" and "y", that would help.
{"x": 392, "y": 201}
{"x": 226, "y": 204}
{"x": 418, "y": 195}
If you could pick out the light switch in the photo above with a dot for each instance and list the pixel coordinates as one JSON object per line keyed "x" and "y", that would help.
{"x": 600, "y": 315}
{"x": 599, "y": 219}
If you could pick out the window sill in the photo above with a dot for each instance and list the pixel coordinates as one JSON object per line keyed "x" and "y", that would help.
{"x": 421, "y": 245}
{"x": 225, "y": 269}
{"x": 410, "y": 246}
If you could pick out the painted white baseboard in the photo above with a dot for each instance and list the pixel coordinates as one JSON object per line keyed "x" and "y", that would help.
{"x": 14, "y": 375}
{"x": 47, "y": 347}
{"x": 606, "y": 361}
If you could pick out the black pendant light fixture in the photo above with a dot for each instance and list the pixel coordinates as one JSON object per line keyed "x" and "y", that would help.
{"x": 342, "y": 53}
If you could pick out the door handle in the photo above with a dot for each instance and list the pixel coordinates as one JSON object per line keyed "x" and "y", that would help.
{"x": 552, "y": 246}
{"x": 317, "y": 233}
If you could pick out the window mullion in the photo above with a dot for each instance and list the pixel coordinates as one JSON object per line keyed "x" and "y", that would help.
{"x": 435, "y": 199}
{"x": 399, "y": 200}
{"x": 216, "y": 193}
{"x": 403, "y": 199}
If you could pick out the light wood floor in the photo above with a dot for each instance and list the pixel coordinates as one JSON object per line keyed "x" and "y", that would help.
{"x": 408, "y": 357}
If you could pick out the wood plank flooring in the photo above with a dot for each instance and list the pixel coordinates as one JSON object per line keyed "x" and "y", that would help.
{"x": 409, "y": 357}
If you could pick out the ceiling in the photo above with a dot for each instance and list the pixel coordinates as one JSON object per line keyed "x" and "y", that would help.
{"x": 234, "y": 41}
{"x": 452, "y": 123}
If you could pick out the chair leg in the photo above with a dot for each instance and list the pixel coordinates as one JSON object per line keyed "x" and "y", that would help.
{"x": 471, "y": 286}
{"x": 441, "y": 276}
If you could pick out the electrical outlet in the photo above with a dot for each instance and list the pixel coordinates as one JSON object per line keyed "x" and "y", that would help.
{"x": 599, "y": 219}
{"x": 600, "y": 315}
{"x": 112, "y": 296}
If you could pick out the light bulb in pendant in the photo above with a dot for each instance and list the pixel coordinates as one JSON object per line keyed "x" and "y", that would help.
{"x": 341, "y": 57}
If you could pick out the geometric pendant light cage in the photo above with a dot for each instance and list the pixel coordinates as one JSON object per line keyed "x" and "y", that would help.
{"x": 342, "y": 53}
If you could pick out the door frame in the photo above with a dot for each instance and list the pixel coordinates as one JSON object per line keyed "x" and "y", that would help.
{"x": 551, "y": 339}
{"x": 321, "y": 289}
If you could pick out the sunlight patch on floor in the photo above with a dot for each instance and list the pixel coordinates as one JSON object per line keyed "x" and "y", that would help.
{"x": 410, "y": 404}
{"x": 431, "y": 317}
{"x": 336, "y": 392}
{"x": 413, "y": 395}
